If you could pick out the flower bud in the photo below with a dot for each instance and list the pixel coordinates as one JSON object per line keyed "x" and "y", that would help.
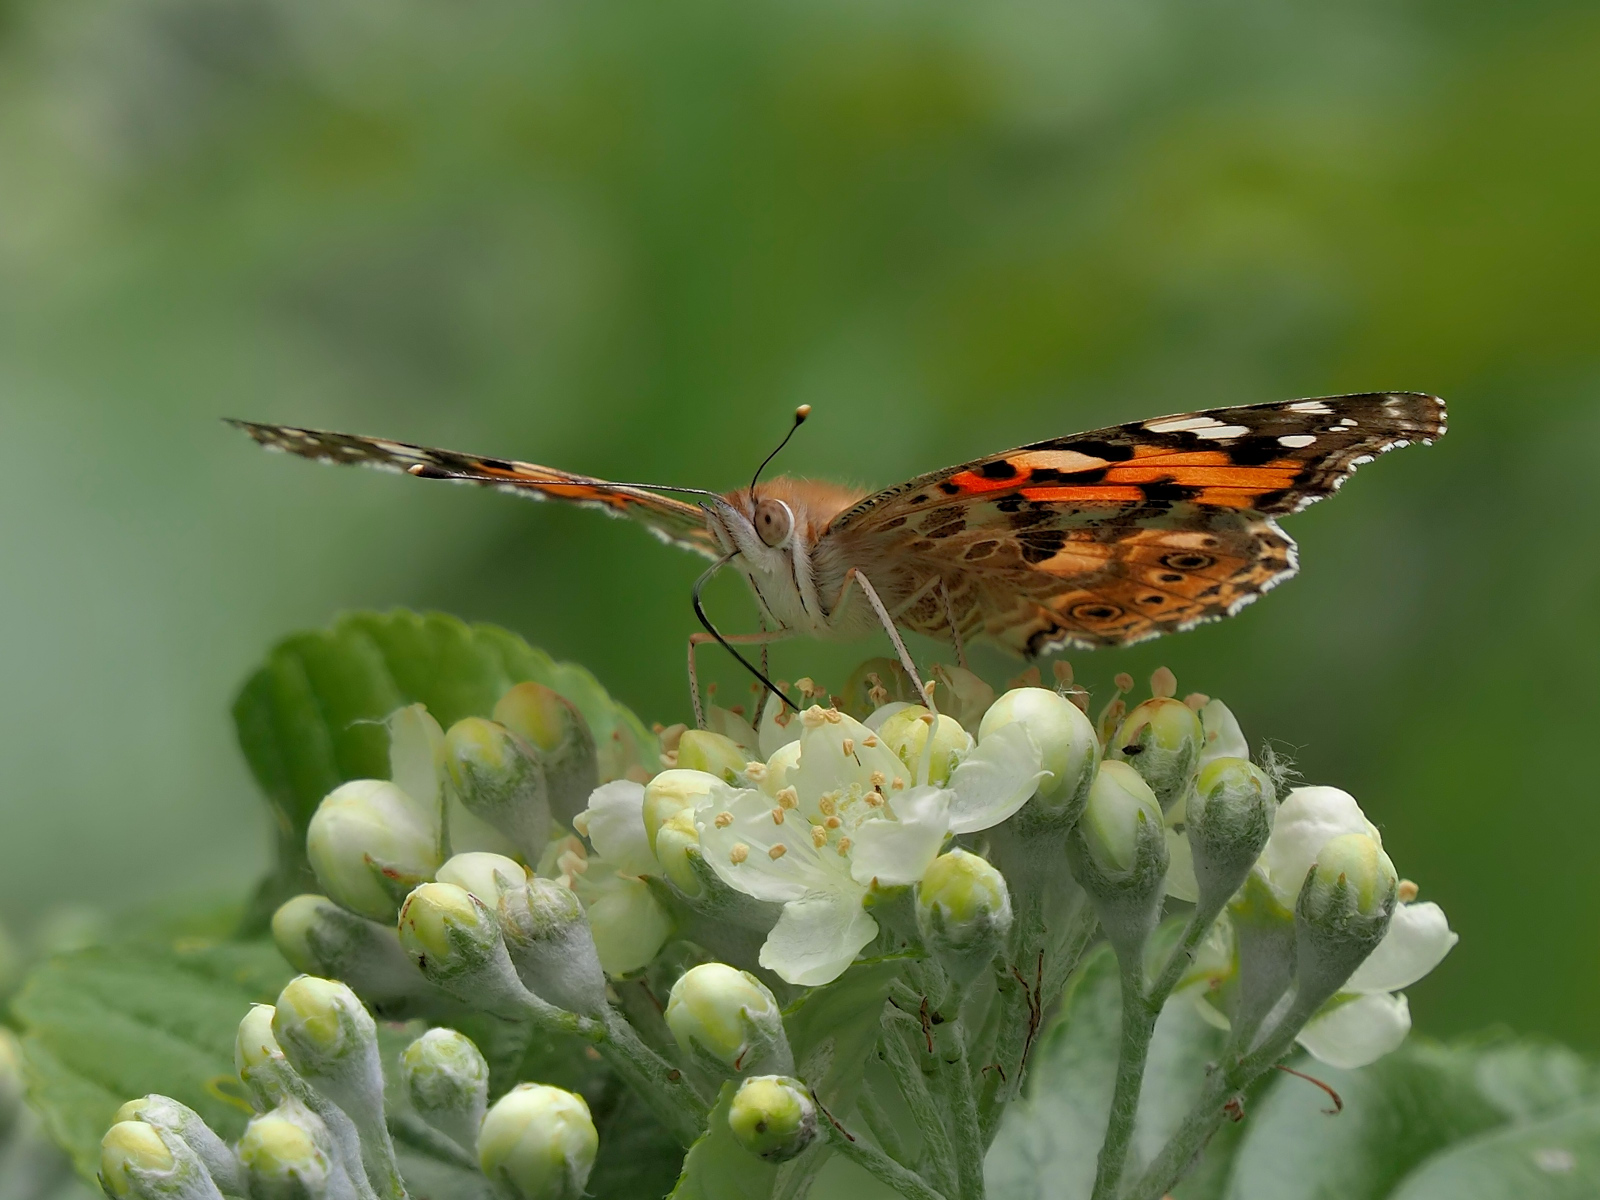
{"x": 259, "y": 1059}
{"x": 454, "y": 938}
{"x": 487, "y": 876}
{"x": 320, "y": 938}
{"x": 701, "y": 750}
{"x": 670, "y": 793}
{"x": 1066, "y": 740}
{"x": 285, "y": 1155}
{"x": 1118, "y": 855}
{"x": 963, "y": 913}
{"x": 369, "y": 845}
{"x": 1161, "y": 739}
{"x": 772, "y": 1116}
{"x": 907, "y": 733}
{"x": 1263, "y": 932}
{"x": 135, "y": 1162}
{"x": 500, "y": 780}
{"x": 675, "y": 842}
{"x": 547, "y": 936}
{"x": 554, "y": 727}
{"x": 1342, "y": 913}
{"x": 183, "y": 1122}
{"x": 728, "y": 1015}
{"x": 628, "y": 924}
{"x": 447, "y": 1081}
{"x": 1229, "y": 818}
{"x": 538, "y": 1143}
{"x": 332, "y": 1042}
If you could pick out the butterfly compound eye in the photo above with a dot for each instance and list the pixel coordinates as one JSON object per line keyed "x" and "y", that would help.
{"x": 774, "y": 522}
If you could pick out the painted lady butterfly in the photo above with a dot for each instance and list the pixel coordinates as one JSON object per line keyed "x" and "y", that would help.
{"x": 1097, "y": 539}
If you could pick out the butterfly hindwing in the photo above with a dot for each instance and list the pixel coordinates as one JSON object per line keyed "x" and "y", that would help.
{"x": 1118, "y": 535}
{"x": 671, "y": 520}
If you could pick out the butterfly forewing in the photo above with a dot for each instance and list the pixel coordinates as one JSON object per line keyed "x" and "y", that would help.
{"x": 1121, "y": 534}
{"x": 671, "y": 520}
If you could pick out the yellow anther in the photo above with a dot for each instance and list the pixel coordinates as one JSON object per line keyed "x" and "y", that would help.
{"x": 1408, "y": 891}
{"x": 777, "y": 816}
{"x": 877, "y": 779}
{"x": 819, "y": 836}
{"x": 777, "y": 852}
{"x": 844, "y": 846}
{"x": 849, "y": 745}
{"x": 739, "y": 853}
{"x": 832, "y": 716}
{"x": 828, "y": 803}
{"x": 833, "y": 822}
{"x": 870, "y": 741}
{"x": 755, "y": 771}
{"x": 874, "y": 800}
{"x": 724, "y": 819}
{"x": 788, "y": 797}
{"x": 896, "y": 783}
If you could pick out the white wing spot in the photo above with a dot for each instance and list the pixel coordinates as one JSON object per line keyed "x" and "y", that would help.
{"x": 1223, "y": 432}
{"x": 1308, "y": 406}
{"x": 1297, "y": 441}
{"x": 1347, "y": 422}
{"x": 1184, "y": 425}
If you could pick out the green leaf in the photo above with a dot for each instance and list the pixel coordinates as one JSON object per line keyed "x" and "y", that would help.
{"x": 638, "y": 1158}
{"x": 834, "y": 1028}
{"x": 1556, "y": 1158}
{"x": 1048, "y": 1141}
{"x": 106, "y": 1025}
{"x": 310, "y": 717}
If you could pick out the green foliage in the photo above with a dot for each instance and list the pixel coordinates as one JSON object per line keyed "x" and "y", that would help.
{"x": 106, "y": 1025}
{"x": 312, "y": 716}
{"x": 1486, "y": 1119}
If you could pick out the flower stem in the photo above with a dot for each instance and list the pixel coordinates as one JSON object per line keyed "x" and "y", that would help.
{"x": 874, "y": 1161}
{"x": 1138, "y": 1023}
{"x": 925, "y": 1112}
{"x": 956, "y": 1074}
{"x": 660, "y": 1085}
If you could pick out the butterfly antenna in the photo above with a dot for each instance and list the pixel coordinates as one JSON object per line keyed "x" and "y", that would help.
{"x": 700, "y": 612}
{"x": 800, "y": 415}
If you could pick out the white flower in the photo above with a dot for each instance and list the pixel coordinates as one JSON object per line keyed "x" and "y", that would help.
{"x": 1366, "y": 1020}
{"x": 1222, "y": 738}
{"x": 840, "y": 815}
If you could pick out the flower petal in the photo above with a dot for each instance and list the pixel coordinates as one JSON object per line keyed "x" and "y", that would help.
{"x": 897, "y": 851}
{"x": 824, "y": 765}
{"x": 1353, "y": 1033}
{"x": 1418, "y": 939}
{"x": 994, "y": 780}
{"x": 817, "y": 937}
{"x": 1223, "y": 737}
{"x": 1181, "y": 883}
{"x": 1306, "y": 821}
{"x": 614, "y": 825}
{"x": 739, "y": 838}
{"x": 779, "y": 726}
{"x": 416, "y": 753}
{"x": 627, "y": 921}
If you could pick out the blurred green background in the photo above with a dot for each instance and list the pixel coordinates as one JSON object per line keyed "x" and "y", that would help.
{"x": 628, "y": 238}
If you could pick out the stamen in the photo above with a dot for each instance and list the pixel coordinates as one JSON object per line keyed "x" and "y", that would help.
{"x": 849, "y": 746}
{"x": 828, "y": 803}
{"x": 1063, "y": 673}
{"x": 877, "y": 779}
{"x": 870, "y": 741}
{"x": 1163, "y": 683}
{"x": 788, "y": 797}
{"x": 1408, "y": 891}
{"x": 777, "y": 852}
{"x": 1196, "y": 701}
{"x": 724, "y": 819}
{"x": 896, "y": 784}
{"x": 755, "y": 771}
{"x": 739, "y": 853}
{"x": 832, "y": 715}
{"x": 833, "y": 822}
{"x": 819, "y": 836}
{"x": 844, "y": 847}
{"x": 777, "y": 816}
{"x": 1124, "y": 681}
{"x": 874, "y": 800}
{"x": 813, "y": 717}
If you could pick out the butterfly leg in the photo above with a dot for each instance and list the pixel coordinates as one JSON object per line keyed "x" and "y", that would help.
{"x": 955, "y": 629}
{"x": 762, "y": 639}
{"x": 887, "y": 621}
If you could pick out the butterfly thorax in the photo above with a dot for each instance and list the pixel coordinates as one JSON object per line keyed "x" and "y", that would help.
{"x": 776, "y": 533}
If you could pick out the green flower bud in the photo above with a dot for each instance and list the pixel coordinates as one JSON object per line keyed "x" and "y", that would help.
{"x": 627, "y": 921}
{"x": 455, "y": 939}
{"x": 1118, "y": 855}
{"x": 257, "y": 1057}
{"x": 369, "y": 845}
{"x": 700, "y": 750}
{"x": 1161, "y": 738}
{"x": 554, "y": 727}
{"x": 538, "y": 1143}
{"x": 674, "y": 843}
{"x": 332, "y": 1042}
{"x": 285, "y": 1155}
{"x": 547, "y": 935}
{"x": 448, "y": 1083}
{"x": 1342, "y": 913}
{"x": 183, "y": 1122}
{"x": 906, "y": 733}
{"x": 487, "y": 876}
{"x": 145, "y": 1162}
{"x": 1263, "y": 932}
{"x": 963, "y": 913}
{"x": 1066, "y": 740}
{"x": 500, "y": 780}
{"x": 773, "y": 1116}
{"x": 671, "y": 793}
{"x": 728, "y": 1016}
{"x": 1229, "y": 818}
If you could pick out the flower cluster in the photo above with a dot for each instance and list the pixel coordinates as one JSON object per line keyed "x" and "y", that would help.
{"x": 978, "y": 850}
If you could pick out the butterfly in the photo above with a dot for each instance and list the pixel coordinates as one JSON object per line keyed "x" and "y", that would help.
{"x": 1104, "y": 538}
